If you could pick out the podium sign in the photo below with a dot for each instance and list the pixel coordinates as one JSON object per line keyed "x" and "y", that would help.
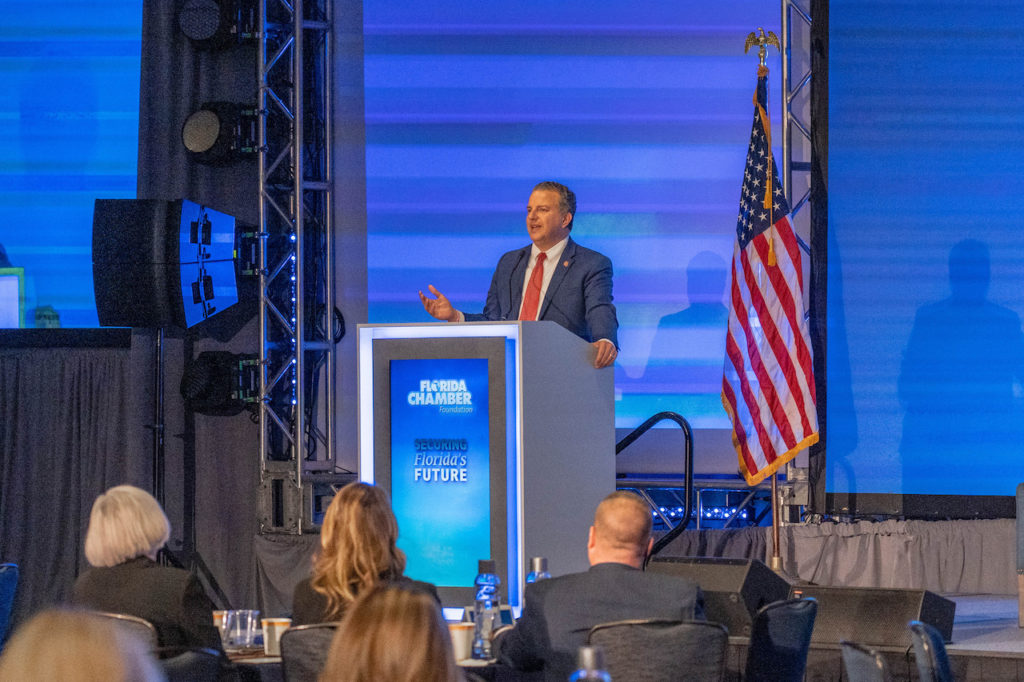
{"x": 494, "y": 440}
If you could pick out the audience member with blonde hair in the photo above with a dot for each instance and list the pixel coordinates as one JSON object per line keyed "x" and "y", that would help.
{"x": 392, "y": 633}
{"x": 358, "y": 552}
{"x": 74, "y": 646}
{"x": 127, "y": 528}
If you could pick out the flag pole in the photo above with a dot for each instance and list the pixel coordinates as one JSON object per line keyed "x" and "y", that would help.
{"x": 763, "y": 41}
{"x": 776, "y": 558}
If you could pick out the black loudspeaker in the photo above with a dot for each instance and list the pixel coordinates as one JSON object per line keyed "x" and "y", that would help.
{"x": 161, "y": 263}
{"x": 874, "y": 615}
{"x": 734, "y": 589}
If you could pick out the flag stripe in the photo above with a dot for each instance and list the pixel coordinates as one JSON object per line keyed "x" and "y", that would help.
{"x": 748, "y": 406}
{"x": 747, "y": 463}
{"x": 775, "y": 337}
{"x": 794, "y": 312}
{"x": 769, "y": 355}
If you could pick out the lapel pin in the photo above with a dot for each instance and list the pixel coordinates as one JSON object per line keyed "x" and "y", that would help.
{"x": 565, "y": 264}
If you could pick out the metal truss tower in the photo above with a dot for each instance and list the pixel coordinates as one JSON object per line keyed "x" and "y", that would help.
{"x": 298, "y": 327}
{"x": 796, "y": 180}
{"x": 796, "y": 107}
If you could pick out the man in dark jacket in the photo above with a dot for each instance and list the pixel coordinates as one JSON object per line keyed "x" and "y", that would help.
{"x": 559, "y": 612}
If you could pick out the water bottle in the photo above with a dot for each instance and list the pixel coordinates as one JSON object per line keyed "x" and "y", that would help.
{"x": 590, "y": 666}
{"x": 538, "y": 570}
{"x": 486, "y": 608}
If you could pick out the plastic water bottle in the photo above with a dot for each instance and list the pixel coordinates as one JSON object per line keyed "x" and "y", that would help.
{"x": 590, "y": 666}
{"x": 486, "y": 608}
{"x": 538, "y": 570}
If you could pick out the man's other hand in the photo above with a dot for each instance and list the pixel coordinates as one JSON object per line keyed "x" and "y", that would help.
{"x": 439, "y": 308}
{"x": 606, "y": 353}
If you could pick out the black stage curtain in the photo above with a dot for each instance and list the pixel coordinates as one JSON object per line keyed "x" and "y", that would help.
{"x": 63, "y": 440}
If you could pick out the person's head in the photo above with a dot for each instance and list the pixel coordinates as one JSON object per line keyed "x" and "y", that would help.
{"x": 969, "y": 270}
{"x": 622, "y": 530}
{"x": 392, "y": 633}
{"x": 549, "y": 214}
{"x": 126, "y": 522}
{"x": 357, "y": 545}
{"x": 62, "y": 644}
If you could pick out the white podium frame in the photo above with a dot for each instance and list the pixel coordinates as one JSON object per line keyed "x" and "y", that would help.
{"x": 564, "y": 426}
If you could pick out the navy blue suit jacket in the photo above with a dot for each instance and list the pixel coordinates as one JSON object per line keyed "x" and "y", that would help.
{"x": 559, "y": 613}
{"x": 579, "y": 296}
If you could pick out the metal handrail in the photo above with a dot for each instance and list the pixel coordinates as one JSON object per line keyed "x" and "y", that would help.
{"x": 633, "y": 435}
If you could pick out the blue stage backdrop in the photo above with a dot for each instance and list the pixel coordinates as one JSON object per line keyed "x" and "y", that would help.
{"x": 926, "y": 264}
{"x": 642, "y": 108}
{"x": 69, "y": 124}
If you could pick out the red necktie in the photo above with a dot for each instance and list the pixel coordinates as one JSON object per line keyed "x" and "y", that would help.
{"x": 532, "y": 298}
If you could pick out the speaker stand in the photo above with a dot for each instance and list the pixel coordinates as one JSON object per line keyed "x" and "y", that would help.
{"x": 188, "y": 558}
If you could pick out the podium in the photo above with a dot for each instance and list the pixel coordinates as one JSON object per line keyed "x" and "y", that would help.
{"x": 495, "y": 440}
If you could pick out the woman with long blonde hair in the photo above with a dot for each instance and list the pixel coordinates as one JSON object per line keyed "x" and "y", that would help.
{"x": 392, "y": 633}
{"x": 358, "y": 552}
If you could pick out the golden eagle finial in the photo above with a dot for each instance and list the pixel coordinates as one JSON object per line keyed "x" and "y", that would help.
{"x": 761, "y": 41}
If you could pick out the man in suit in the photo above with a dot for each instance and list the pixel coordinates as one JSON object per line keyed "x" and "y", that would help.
{"x": 559, "y": 612}
{"x": 572, "y": 285}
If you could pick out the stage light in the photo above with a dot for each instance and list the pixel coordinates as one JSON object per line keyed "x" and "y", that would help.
{"x": 214, "y": 25}
{"x": 220, "y": 132}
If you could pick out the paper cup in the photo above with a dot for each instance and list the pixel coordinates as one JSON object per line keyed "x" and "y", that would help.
{"x": 218, "y": 622}
{"x": 272, "y": 629}
{"x": 462, "y": 640}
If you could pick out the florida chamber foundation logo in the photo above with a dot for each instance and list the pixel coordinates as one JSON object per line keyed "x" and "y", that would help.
{"x": 450, "y": 396}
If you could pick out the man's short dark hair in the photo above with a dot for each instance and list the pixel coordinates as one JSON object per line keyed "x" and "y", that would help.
{"x": 566, "y": 197}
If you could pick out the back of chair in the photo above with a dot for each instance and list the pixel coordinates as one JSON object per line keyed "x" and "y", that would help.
{"x": 930, "y": 653}
{"x": 304, "y": 651}
{"x": 192, "y": 664}
{"x": 8, "y": 588}
{"x": 662, "y": 650}
{"x": 863, "y": 664}
{"x": 780, "y": 637}
{"x": 138, "y": 627}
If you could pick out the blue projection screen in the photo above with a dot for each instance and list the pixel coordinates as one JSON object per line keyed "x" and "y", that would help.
{"x": 69, "y": 125}
{"x": 925, "y": 259}
{"x": 642, "y": 108}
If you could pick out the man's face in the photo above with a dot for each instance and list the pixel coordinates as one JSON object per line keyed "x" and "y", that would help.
{"x": 545, "y": 221}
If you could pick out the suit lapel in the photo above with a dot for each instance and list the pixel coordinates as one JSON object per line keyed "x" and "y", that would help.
{"x": 515, "y": 283}
{"x": 561, "y": 268}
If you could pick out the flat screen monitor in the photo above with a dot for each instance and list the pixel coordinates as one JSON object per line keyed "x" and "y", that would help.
{"x": 12, "y": 298}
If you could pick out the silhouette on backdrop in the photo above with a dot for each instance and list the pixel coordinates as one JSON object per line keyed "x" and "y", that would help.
{"x": 688, "y": 346}
{"x": 960, "y": 379}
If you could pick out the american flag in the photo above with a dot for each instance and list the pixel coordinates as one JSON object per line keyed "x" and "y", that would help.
{"x": 768, "y": 384}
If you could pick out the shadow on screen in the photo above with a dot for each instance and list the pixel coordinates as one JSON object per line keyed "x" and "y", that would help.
{"x": 960, "y": 384}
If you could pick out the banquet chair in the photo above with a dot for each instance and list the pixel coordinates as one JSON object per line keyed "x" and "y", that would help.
{"x": 192, "y": 664}
{"x": 654, "y": 650}
{"x": 138, "y": 627}
{"x": 304, "y": 651}
{"x": 862, "y": 664}
{"x": 780, "y": 637}
{"x": 8, "y": 588}
{"x": 929, "y": 653}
